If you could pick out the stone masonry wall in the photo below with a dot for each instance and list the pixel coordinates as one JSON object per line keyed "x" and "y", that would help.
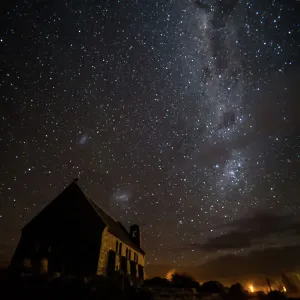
{"x": 109, "y": 243}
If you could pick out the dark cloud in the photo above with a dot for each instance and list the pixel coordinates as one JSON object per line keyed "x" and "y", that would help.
{"x": 4, "y": 254}
{"x": 257, "y": 265}
{"x": 268, "y": 261}
{"x": 247, "y": 232}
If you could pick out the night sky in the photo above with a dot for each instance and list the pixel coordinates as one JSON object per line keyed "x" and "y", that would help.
{"x": 182, "y": 117}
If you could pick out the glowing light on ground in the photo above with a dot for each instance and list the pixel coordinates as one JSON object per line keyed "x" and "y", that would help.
{"x": 170, "y": 274}
{"x": 284, "y": 289}
{"x": 251, "y": 288}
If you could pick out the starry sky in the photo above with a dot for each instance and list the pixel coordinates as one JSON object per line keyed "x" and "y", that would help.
{"x": 180, "y": 116}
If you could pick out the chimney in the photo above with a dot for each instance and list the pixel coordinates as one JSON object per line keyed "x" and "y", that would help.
{"x": 135, "y": 234}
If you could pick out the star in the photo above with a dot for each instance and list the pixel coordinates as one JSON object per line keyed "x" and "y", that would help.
{"x": 180, "y": 117}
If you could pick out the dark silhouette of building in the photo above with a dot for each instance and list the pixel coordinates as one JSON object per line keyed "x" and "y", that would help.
{"x": 74, "y": 236}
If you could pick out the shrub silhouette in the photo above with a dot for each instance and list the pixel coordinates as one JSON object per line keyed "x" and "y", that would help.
{"x": 213, "y": 287}
{"x": 237, "y": 291}
{"x": 157, "y": 282}
{"x": 184, "y": 281}
{"x": 276, "y": 295}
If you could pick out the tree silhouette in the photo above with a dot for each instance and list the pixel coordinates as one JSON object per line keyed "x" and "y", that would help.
{"x": 213, "y": 287}
{"x": 261, "y": 295}
{"x": 276, "y": 295}
{"x": 158, "y": 282}
{"x": 237, "y": 291}
{"x": 184, "y": 281}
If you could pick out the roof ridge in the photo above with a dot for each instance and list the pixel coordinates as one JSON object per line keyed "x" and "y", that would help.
{"x": 116, "y": 227}
{"x": 100, "y": 207}
{"x": 94, "y": 203}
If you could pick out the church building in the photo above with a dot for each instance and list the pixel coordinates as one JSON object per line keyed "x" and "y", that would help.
{"x": 74, "y": 236}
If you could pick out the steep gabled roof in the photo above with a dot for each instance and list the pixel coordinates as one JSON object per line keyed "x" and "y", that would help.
{"x": 73, "y": 191}
{"x": 116, "y": 228}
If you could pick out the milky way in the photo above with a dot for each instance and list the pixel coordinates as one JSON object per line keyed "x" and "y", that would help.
{"x": 174, "y": 116}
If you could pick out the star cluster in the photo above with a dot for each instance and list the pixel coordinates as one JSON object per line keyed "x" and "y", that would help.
{"x": 173, "y": 116}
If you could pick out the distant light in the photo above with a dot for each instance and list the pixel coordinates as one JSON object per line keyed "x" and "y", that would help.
{"x": 170, "y": 274}
{"x": 284, "y": 289}
{"x": 251, "y": 288}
